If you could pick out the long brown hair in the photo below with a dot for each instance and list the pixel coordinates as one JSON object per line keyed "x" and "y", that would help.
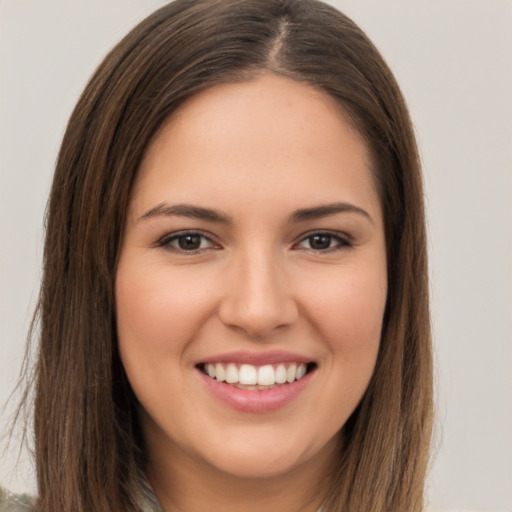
{"x": 88, "y": 446}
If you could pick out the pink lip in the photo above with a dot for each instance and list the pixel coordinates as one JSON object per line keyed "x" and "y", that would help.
{"x": 256, "y": 359}
{"x": 255, "y": 401}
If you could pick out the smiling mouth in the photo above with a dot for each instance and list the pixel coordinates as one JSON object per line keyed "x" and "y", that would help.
{"x": 251, "y": 377}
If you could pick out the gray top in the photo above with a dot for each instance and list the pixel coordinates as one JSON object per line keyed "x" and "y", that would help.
{"x": 10, "y": 502}
{"x": 23, "y": 503}
{"x": 15, "y": 502}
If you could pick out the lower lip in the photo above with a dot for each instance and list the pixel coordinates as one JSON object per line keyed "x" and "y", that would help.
{"x": 252, "y": 400}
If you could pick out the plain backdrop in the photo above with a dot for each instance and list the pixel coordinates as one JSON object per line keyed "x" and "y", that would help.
{"x": 453, "y": 60}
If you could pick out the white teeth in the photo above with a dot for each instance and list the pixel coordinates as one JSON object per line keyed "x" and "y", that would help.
{"x": 231, "y": 374}
{"x": 220, "y": 374}
{"x": 248, "y": 376}
{"x": 280, "y": 374}
{"x": 266, "y": 375}
{"x": 290, "y": 373}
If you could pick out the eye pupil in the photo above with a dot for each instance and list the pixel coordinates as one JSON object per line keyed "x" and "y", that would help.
{"x": 320, "y": 241}
{"x": 189, "y": 242}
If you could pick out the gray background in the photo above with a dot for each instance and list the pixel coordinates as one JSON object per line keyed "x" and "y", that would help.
{"x": 453, "y": 59}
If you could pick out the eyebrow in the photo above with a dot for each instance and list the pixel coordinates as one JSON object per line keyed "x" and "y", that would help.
{"x": 210, "y": 215}
{"x": 317, "y": 212}
{"x": 186, "y": 210}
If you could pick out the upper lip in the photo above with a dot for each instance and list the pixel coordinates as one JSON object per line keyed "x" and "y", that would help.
{"x": 256, "y": 358}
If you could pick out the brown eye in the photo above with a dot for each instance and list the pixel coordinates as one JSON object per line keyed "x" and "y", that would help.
{"x": 323, "y": 242}
{"x": 187, "y": 242}
{"x": 318, "y": 242}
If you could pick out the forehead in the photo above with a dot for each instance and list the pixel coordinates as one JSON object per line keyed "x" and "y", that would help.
{"x": 270, "y": 138}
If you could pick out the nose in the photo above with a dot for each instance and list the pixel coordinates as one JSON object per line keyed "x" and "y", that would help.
{"x": 258, "y": 298}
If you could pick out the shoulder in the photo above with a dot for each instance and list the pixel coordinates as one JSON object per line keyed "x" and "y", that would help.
{"x": 15, "y": 502}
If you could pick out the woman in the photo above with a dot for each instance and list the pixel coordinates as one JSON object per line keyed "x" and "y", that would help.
{"x": 234, "y": 308}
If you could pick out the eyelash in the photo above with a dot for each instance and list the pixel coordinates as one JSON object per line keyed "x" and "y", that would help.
{"x": 166, "y": 242}
{"x": 341, "y": 241}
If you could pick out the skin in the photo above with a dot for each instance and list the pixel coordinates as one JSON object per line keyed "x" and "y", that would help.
{"x": 257, "y": 152}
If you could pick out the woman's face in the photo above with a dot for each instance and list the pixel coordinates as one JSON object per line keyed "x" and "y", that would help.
{"x": 251, "y": 283}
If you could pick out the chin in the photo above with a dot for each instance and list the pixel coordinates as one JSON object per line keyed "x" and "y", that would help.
{"x": 260, "y": 457}
{"x": 256, "y": 467}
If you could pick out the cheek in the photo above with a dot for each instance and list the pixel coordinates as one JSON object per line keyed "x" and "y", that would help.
{"x": 155, "y": 306}
{"x": 347, "y": 313}
{"x": 348, "y": 310}
{"x": 159, "y": 313}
